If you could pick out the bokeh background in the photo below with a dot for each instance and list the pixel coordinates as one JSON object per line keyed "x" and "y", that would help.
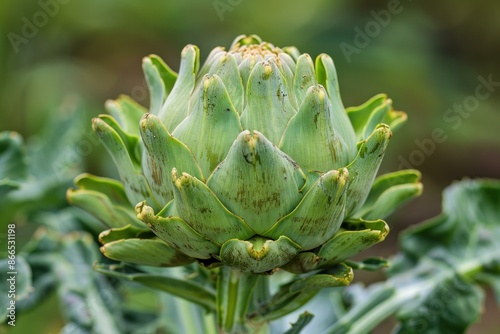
{"x": 66, "y": 57}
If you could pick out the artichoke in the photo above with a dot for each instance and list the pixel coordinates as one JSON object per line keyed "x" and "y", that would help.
{"x": 250, "y": 161}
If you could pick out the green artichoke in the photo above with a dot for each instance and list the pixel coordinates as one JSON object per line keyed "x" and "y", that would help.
{"x": 251, "y": 161}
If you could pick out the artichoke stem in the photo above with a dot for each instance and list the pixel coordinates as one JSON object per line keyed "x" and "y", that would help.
{"x": 234, "y": 292}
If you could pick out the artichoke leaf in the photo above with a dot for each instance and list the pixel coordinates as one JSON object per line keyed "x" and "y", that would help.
{"x": 258, "y": 255}
{"x": 340, "y": 275}
{"x": 303, "y": 320}
{"x": 148, "y": 252}
{"x": 163, "y": 153}
{"x": 241, "y": 40}
{"x": 376, "y": 117}
{"x": 326, "y": 75}
{"x": 395, "y": 119}
{"x": 177, "y": 233}
{"x": 268, "y": 108}
{"x": 378, "y": 109}
{"x": 314, "y": 125}
{"x": 210, "y": 129}
{"x": 364, "y": 168}
{"x": 226, "y": 68}
{"x": 442, "y": 259}
{"x": 113, "y": 189}
{"x": 24, "y": 283}
{"x": 355, "y": 237}
{"x": 167, "y": 75}
{"x": 125, "y": 232}
{"x": 6, "y": 186}
{"x": 257, "y": 181}
{"x": 184, "y": 288}
{"x": 302, "y": 263}
{"x": 293, "y": 52}
{"x": 13, "y": 162}
{"x": 156, "y": 87}
{"x": 295, "y": 294}
{"x": 176, "y": 106}
{"x": 136, "y": 186}
{"x": 245, "y": 68}
{"x": 319, "y": 215}
{"x": 286, "y": 65}
{"x": 304, "y": 78}
{"x": 101, "y": 207}
{"x": 212, "y": 58}
{"x": 200, "y": 208}
{"x": 369, "y": 263}
{"x": 360, "y": 115}
{"x": 389, "y": 191}
{"x": 130, "y": 141}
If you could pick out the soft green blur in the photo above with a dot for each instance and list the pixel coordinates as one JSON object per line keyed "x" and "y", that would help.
{"x": 426, "y": 56}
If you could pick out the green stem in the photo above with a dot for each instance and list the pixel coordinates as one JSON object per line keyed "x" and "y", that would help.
{"x": 185, "y": 313}
{"x": 234, "y": 292}
{"x": 210, "y": 327}
{"x": 261, "y": 293}
{"x": 232, "y": 299}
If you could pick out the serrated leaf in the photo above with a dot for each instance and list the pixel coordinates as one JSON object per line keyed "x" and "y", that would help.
{"x": 12, "y": 156}
{"x": 186, "y": 289}
{"x": 433, "y": 284}
{"x": 448, "y": 308}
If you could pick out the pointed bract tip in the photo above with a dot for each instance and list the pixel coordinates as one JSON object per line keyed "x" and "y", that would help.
{"x": 141, "y": 209}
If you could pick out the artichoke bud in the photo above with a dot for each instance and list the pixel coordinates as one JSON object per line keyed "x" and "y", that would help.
{"x": 250, "y": 161}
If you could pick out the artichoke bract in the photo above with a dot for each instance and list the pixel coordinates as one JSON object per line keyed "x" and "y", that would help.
{"x": 250, "y": 161}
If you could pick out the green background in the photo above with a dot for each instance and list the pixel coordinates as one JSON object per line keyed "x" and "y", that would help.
{"x": 426, "y": 56}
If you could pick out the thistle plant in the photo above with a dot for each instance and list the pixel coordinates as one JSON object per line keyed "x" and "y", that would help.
{"x": 249, "y": 166}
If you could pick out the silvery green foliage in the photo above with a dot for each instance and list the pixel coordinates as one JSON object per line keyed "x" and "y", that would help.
{"x": 434, "y": 283}
{"x": 59, "y": 256}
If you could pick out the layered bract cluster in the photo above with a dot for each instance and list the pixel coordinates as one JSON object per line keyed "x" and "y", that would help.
{"x": 251, "y": 162}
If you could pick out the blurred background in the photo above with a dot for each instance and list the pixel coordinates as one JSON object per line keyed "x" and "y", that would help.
{"x": 438, "y": 61}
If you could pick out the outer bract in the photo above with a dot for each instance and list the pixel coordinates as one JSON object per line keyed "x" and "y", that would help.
{"x": 250, "y": 162}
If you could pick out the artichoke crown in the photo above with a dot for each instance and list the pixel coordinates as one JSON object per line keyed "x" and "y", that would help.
{"x": 266, "y": 87}
{"x": 250, "y": 161}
